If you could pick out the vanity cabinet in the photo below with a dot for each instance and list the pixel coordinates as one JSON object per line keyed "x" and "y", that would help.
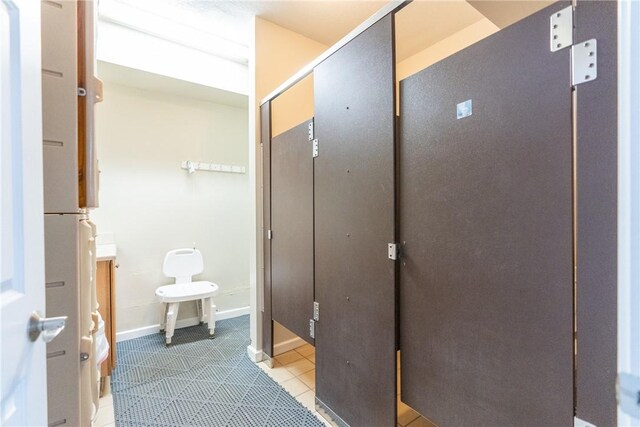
{"x": 106, "y": 292}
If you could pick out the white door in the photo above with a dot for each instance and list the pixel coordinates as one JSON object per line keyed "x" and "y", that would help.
{"x": 22, "y": 290}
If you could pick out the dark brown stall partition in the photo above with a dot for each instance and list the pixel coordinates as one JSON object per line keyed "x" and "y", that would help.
{"x": 486, "y": 282}
{"x": 265, "y": 139}
{"x": 292, "y": 230}
{"x": 596, "y": 266}
{"x": 354, "y": 96}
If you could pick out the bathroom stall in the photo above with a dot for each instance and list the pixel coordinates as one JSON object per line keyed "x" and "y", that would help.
{"x": 453, "y": 201}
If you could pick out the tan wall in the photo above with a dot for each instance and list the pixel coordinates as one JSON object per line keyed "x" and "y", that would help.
{"x": 446, "y": 47}
{"x": 279, "y": 53}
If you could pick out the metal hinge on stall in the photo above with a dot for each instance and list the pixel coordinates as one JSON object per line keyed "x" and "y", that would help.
{"x": 312, "y": 328}
{"x": 316, "y": 317}
{"x": 628, "y": 394}
{"x": 269, "y": 235}
{"x": 315, "y": 148}
{"x": 584, "y": 55}
{"x": 311, "y": 131}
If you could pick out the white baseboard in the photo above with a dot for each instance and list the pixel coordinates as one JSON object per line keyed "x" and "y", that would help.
{"x": 284, "y": 346}
{"x": 254, "y": 355}
{"x": 234, "y": 312}
{"x": 182, "y": 323}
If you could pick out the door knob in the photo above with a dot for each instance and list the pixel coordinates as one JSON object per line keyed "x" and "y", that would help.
{"x": 49, "y": 327}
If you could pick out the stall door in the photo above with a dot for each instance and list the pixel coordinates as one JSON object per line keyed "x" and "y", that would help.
{"x": 354, "y": 222}
{"x": 292, "y": 230}
{"x": 486, "y": 220}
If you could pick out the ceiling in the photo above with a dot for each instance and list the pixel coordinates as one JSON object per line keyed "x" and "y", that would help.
{"x": 419, "y": 25}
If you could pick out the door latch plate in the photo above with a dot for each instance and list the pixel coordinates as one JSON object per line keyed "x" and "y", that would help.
{"x": 393, "y": 251}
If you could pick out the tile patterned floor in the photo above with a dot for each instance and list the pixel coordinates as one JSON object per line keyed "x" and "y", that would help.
{"x": 295, "y": 371}
{"x": 202, "y": 382}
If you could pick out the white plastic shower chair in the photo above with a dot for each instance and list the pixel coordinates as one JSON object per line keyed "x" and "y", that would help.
{"x": 183, "y": 264}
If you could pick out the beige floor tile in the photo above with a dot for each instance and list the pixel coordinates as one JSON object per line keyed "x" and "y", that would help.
{"x": 308, "y": 400}
{"x": 299, "y": 367}
{"x": 288, "y": 357}
{"x": 309, "y": 379}
{"x": 295, "y": 387}
{"x": 312, "y": 358}
{"x": 106, "y": 401}
{"x": 422, "y": 422}
{"x": 405, "y": 414}
{"x": 306, "y": 350}
{"x": 104, "y": 417}
{"x": 280, "y": 374}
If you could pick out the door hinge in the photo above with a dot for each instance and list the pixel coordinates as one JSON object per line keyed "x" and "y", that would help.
{"x": 312, "y": 328}
{"x": 315, "y": 148}
{"x": 311, "y": 131}
{"x": 584, "y": 55}
{"x": 628, "y": 394}
{"x": 269, "y": 235}
{"x": 393, "y": 251}
{"x": 561, "y": 29}
{"x": 316, "y": 311}
{"x": 584, "y": 62}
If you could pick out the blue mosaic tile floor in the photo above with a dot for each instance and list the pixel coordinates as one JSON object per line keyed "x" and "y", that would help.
{"x": 200, "y": 381}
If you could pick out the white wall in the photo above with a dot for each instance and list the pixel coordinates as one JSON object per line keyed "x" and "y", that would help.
{"x": 629, "y": 206}
{"x": 153, "y": 206}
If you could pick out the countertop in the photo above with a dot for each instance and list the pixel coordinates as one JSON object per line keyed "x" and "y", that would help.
{"x": 106, "y": 252}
